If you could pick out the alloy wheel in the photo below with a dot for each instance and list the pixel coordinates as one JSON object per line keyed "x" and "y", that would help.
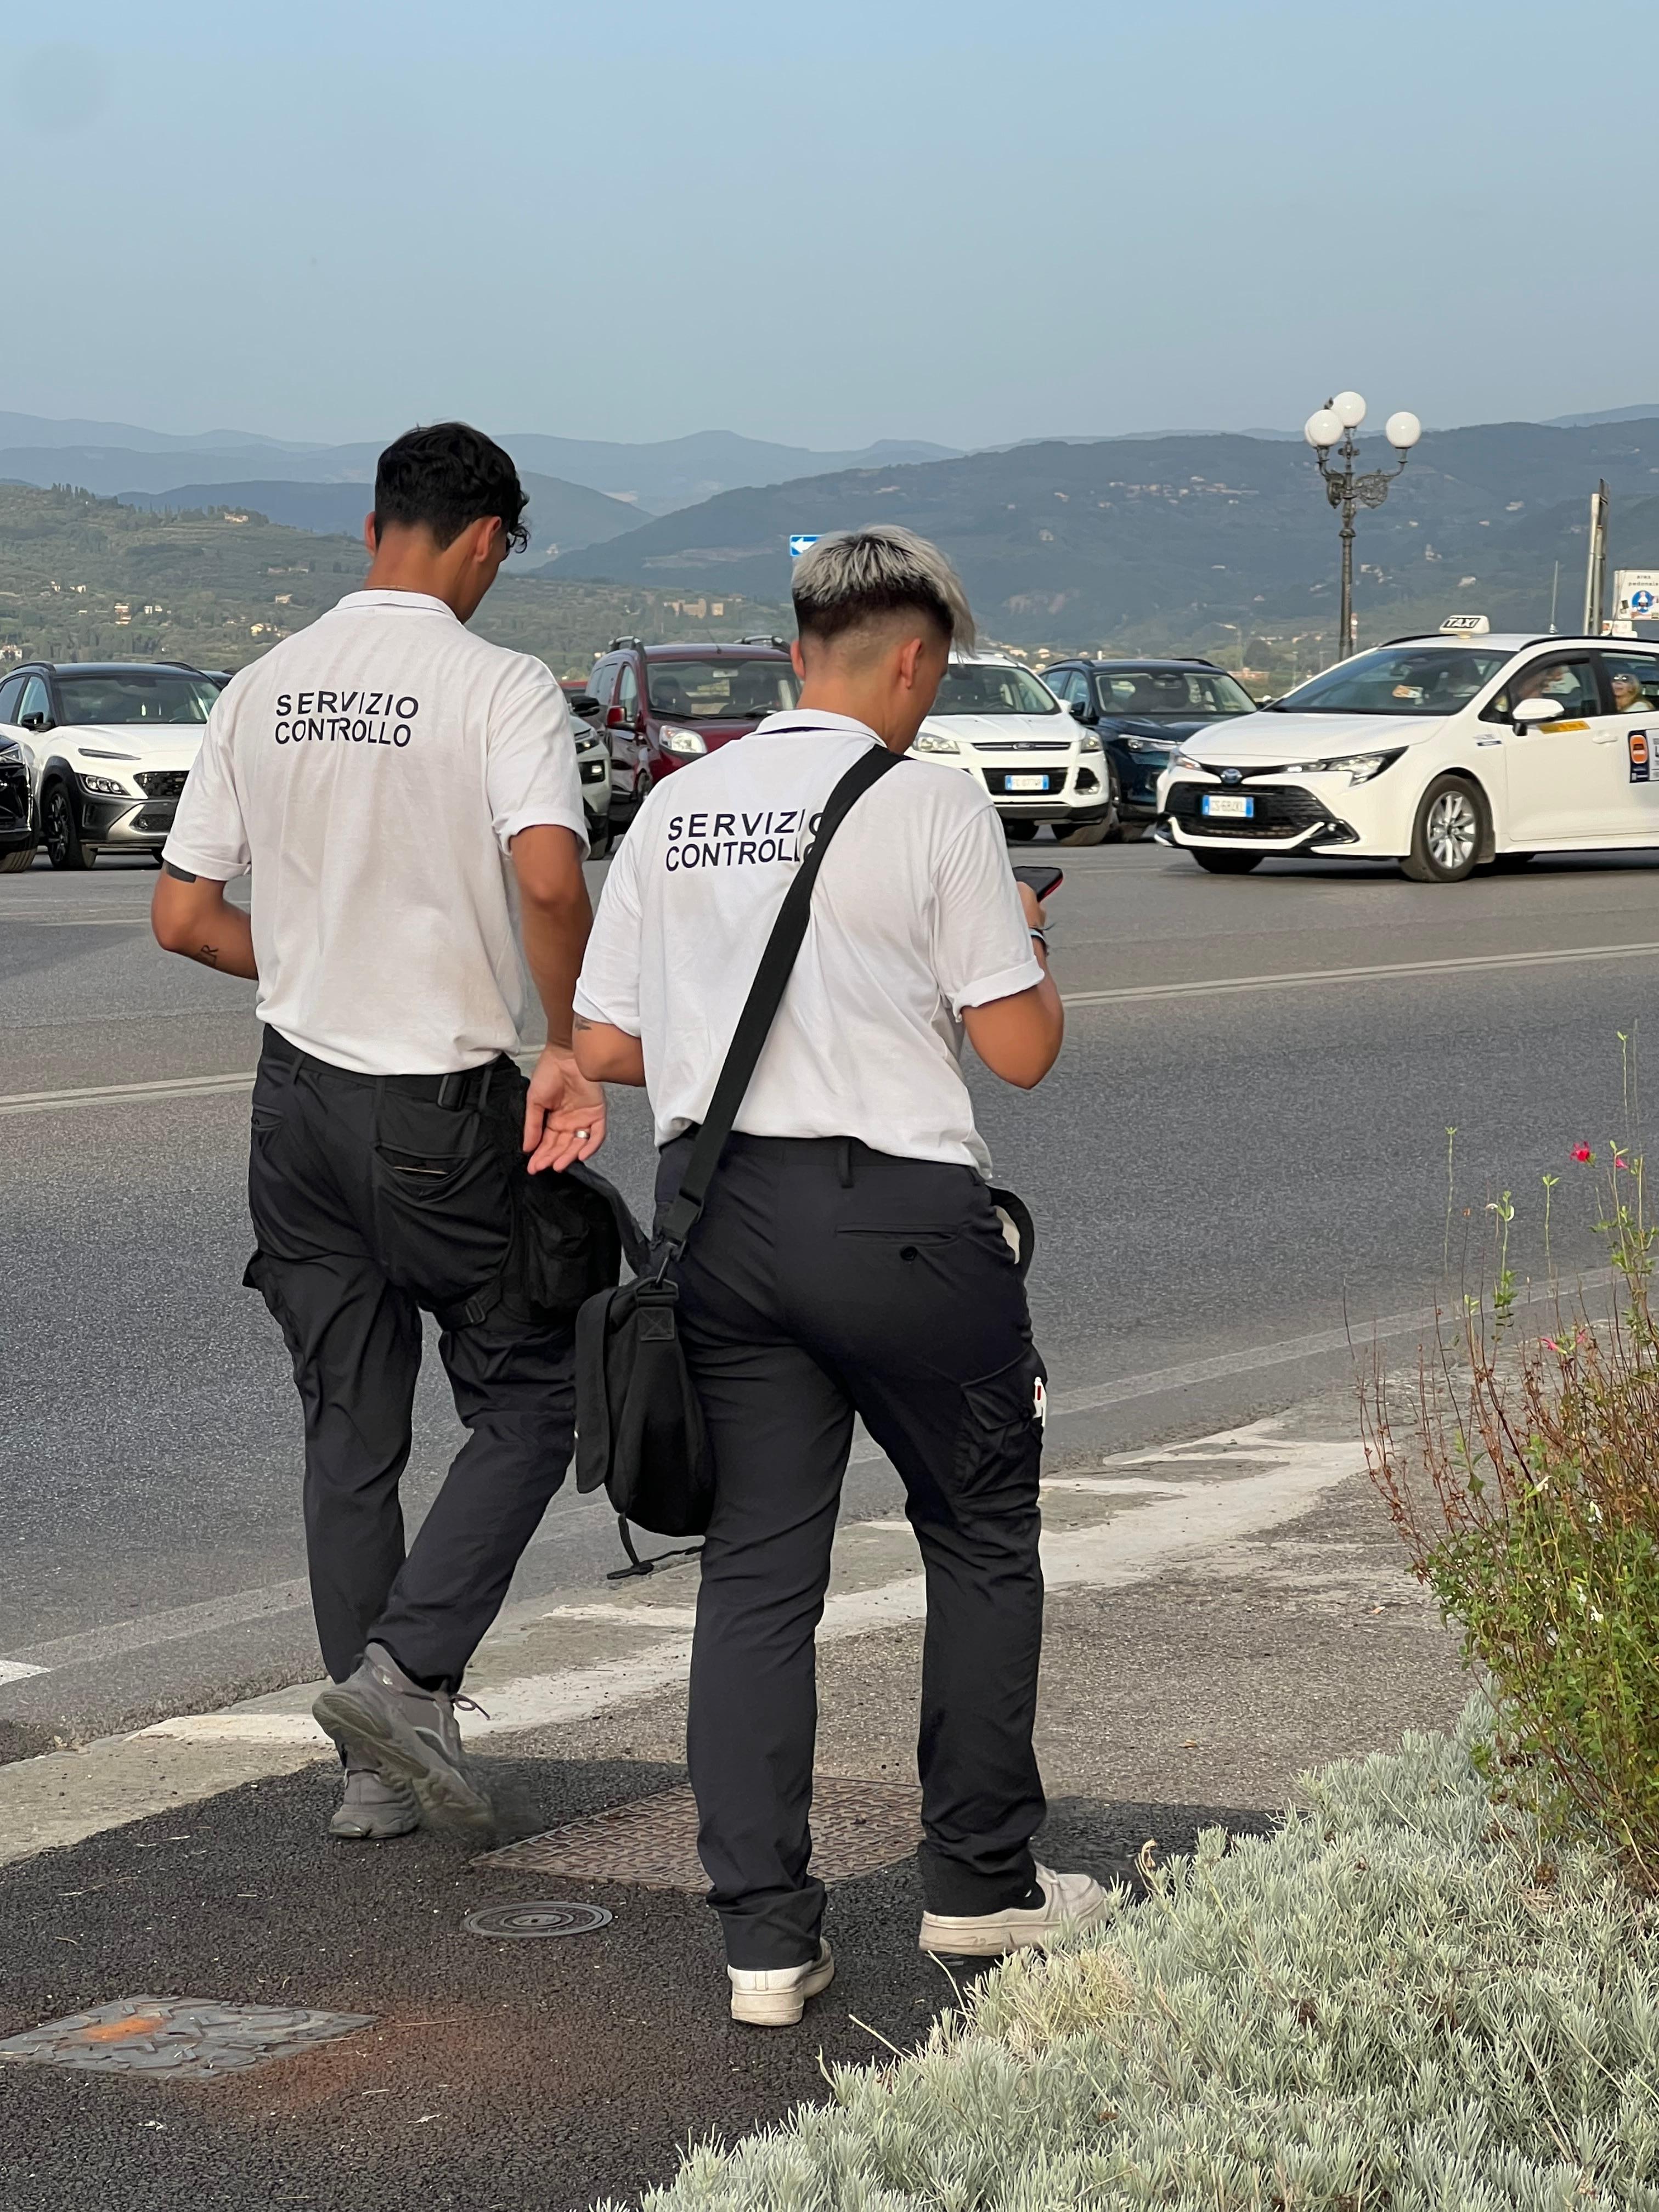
{"x": 1451, "y": 830}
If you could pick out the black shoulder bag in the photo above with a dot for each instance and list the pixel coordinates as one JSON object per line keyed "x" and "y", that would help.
{"x": 639, "y": 1427}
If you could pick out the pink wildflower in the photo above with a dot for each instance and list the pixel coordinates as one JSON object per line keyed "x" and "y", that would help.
{"x": 1583, "y": 1152}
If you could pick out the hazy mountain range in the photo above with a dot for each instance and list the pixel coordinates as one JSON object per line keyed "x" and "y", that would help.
{"x": 1074, "y": 543}
{"x": 118, "y": 459}
{"x": 1188, "y": 535}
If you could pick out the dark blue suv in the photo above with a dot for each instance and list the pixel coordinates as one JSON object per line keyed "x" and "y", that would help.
{"x": 1142, "y": 710}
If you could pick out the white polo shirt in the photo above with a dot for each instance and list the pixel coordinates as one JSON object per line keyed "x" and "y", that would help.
{"x": 371, "y": 771}
{"x": 914, "y": 916}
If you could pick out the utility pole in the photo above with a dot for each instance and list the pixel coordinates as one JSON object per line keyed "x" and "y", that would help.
{"x": 1596, "y": 572}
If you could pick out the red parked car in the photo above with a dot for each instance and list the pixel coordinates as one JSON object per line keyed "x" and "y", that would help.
{"x": 663, "y": 705}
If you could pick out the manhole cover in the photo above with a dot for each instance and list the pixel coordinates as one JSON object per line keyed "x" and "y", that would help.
{"x": 194, "y": 2039}
{"x": 539, "y": 1918}
{"x": 857, "y": 1827}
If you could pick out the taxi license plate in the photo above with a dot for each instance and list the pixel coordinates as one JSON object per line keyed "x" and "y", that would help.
{"x": 1230, "y": 803}
{"x": 1025, "y": 783}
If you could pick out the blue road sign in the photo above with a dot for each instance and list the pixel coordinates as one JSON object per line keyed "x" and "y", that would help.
{"x": 1641, "y": 603}
{"x": 799, "y": 542}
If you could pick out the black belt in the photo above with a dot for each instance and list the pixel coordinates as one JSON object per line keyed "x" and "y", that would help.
{"x": 466, "y": 1087}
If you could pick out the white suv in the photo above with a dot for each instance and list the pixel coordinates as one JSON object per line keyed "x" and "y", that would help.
{"x": 1439, "y": 752}
{"x": 997, "y": 722}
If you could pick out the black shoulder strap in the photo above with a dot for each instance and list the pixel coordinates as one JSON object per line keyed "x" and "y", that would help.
{"x": 765, "y": 997}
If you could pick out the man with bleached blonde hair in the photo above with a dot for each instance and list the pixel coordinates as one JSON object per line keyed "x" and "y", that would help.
{"x": 849, "y": 1259}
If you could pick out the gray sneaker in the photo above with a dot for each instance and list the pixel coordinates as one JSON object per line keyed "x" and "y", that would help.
{"x": 373, "y": 1806}
{"x": 408, "y": 1734}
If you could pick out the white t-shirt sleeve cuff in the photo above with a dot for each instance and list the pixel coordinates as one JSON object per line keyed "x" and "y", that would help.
{"x": 538, "y": 817}
{"x": 199, "y": 860}
{"x": 1024, "y": 977}
{"x": 591, "y": 1010}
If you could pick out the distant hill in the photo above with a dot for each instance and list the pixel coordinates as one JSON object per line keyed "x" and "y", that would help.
{"x": 1196, "y": 538}
{"x": 1606, "y": 414}
{"x": 34, "y": 430}
{"x": 86, "y": 578}
{"x": 675, "y": 472}
{"x": 562, "y": 516}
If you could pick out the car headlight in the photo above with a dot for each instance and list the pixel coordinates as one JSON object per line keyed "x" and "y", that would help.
{"x": 686, "y": 742}
{"x": 1147, "y": 744}
{"x": 1358, "y": 767}
{"x": 1180, "y": 759}
{"x": 105, "y": 785}
{"x": 1090, "y": 742}
{"x": 930, "y": 741}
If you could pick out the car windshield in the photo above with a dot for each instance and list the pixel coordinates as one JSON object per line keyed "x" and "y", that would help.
{"x": 136, "y": 695}
{"x": 1396, "y": 679}
{"x": 720, "y": 690}
{"x": 990, "y": 688}
{"x": 1180, "y": 694}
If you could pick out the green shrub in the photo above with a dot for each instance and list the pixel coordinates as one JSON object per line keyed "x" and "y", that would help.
{"x": 1528, "y": 1495}
{"x": 1398, "y": 2001}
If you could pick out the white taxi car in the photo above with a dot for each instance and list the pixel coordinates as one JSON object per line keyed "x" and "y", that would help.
{"x": 1440, "y": 752}
{"x": 994, "y": 719}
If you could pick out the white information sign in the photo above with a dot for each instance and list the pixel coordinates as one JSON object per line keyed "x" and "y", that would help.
{"x": 1636, "y": 594}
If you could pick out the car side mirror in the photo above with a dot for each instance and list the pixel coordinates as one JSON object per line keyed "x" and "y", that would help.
{"x": 37, "y": 722}
{"x": 584, "y": 703}
{"x": 615, "y": 718}
{"x": 1079, "y": 707}
{"x": 1527, "y": 714}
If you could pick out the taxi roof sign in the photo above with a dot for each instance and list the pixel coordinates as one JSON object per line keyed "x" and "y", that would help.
{"x": 1466, "y": 625}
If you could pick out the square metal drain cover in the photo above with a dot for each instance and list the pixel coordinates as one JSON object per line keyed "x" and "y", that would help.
{"x": 857, "y": 1827}
{"x": 189, "y": 2038}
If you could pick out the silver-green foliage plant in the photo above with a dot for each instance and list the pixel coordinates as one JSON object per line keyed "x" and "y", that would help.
{"x": 1403, "y": 1999}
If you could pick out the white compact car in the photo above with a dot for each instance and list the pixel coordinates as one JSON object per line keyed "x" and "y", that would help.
{"x": 108, "y": 746}
{"x": 997, "y": 722}
{"x": 1440, "y": 752}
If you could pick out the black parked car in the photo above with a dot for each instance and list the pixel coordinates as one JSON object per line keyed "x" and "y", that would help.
{"x": 1142, "y": 709}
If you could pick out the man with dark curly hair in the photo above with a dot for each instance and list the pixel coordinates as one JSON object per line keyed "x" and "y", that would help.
{"x": 406, "y": 799}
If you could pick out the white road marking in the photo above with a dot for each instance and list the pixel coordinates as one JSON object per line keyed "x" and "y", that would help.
{"x": 1171, "y": 1525}
{"x": 15, "y": 1670}
{"x": 109, "y": 1094}
{"x": 215, "y": 1614}
{"x": 1301, "y": 978}
{"x": 117, "y": 1094}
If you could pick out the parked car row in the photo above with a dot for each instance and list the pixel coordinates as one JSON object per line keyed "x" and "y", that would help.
{"x": 93, "y": 757}
{"x": 1441, "y": 752}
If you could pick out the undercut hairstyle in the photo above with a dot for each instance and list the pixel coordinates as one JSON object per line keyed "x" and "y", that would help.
{"x": 443, "y": 476}
{"x": 859, "y": 576}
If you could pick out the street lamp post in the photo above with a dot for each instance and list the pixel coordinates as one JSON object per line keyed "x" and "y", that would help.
{"x": 1334, "y": 424}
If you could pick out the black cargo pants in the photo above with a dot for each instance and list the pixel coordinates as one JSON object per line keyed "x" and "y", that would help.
{"x": 371, "y": 1202}
{"x": 826, "y": 1279}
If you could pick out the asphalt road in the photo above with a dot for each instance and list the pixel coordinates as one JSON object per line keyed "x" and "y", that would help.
{"x": 1226, "y": 1162}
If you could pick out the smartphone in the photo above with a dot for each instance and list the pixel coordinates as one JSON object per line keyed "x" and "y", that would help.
{"x": 1042, "y": 881}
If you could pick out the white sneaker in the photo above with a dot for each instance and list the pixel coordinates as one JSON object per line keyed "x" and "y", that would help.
{"x": 1070, "y": 1901}
{"x": 776, "y": 1996}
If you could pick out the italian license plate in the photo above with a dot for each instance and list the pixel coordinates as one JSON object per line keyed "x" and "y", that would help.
{"x": 1025, "y": 783}
{"x": 1233, "y": 804}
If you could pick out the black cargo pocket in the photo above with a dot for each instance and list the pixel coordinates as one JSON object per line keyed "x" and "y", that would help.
{"x": 999, "y": 1453}
{"x": 445, "y": 1219}
{"x": 261, "y": 1275}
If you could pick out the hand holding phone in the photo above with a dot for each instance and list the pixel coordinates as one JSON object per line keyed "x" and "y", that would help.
{"x": 1041, "y": 882}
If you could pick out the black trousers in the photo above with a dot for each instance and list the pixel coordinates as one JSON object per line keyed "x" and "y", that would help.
{"x": 369, "y": 1204}
{"x": 826, "y": 1279}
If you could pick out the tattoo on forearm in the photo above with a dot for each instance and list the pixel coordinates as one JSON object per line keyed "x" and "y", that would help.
{"x": 577, "y": 1022}
{"x": 179, "y": 875}
{"x": 208, "y": 955}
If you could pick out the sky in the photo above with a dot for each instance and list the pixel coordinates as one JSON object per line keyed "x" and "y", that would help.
{"x": 972, "y": 223}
